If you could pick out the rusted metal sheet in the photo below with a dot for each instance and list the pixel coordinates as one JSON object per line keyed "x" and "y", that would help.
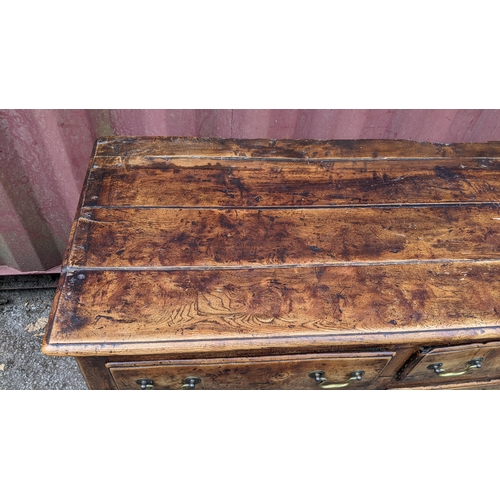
{"x": 44, "y": 155}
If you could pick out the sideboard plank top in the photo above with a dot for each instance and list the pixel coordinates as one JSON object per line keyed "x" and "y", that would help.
{"x": 213, "y": 242}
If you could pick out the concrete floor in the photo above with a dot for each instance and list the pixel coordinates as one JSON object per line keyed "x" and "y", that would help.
{"x": 23, "y": 316}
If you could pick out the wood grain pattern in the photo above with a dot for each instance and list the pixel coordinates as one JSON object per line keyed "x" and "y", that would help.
{"x": 279, "y": 237}
{"x": 153, "y": 306}
{"x": 278, "y": 372}
{"x": 199, "y": 183}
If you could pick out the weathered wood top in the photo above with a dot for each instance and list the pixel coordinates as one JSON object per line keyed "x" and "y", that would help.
{"x": 188, "y": 244}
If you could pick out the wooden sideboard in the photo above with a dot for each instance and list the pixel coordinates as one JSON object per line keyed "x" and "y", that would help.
{"x": 264, "y": 264}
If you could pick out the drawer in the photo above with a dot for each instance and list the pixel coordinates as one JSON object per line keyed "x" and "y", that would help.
{"x": 335, "y": 371}
{"x": 462, "y": 363}
{"x": 485, "y": 385}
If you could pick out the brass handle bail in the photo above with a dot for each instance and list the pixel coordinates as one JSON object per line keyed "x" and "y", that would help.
{"x": 473, "y": 363}
{"x": 319, "y": 376}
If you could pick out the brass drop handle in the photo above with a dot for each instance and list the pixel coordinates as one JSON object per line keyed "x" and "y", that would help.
{"x": 145, "y": 383}
{"x": 319, "y": 376}
{"x": 473, "y": 363}
{"x": 190, "y": 382}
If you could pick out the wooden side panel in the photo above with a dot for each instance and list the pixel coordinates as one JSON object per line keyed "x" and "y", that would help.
{"x": 119, "y": 307}
{"x": 285, "y": 372}
{"x": 190, "y": 237}
{"x": 262, "y": 184}
{"x": 95, "y": 373}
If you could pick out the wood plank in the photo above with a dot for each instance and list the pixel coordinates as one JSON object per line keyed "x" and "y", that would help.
{"x": 283, "y": 237}
{"x": 111, "y": 311}
{"x": 222, "y": 183}
{"x": 264, "y": 148}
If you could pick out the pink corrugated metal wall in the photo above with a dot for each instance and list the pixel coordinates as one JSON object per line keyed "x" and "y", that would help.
{"x": 44, "y": 155}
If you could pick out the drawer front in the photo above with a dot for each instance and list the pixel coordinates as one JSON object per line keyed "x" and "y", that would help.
{"x": 331, "y": 371}
{"x": 461, "y": 363}
{"x": 485, "y": 385}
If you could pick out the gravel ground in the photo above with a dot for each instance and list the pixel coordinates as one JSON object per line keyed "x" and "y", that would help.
{"x": 23, "y": 316}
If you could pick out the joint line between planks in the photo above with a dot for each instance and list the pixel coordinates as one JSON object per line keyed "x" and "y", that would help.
{"x": 73, "y": 269}
{"x": 297, "y": 207}
{"x": 316, "y": 159}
